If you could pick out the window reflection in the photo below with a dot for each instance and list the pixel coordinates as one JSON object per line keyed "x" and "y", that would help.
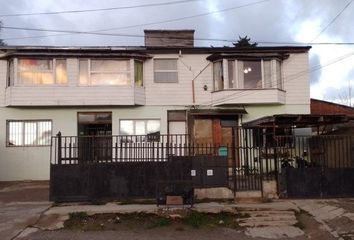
{"x": 40, "y": 71}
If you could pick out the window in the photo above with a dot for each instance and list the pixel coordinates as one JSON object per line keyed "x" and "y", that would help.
{"x": 138, "y": 70}
{"x": 28, "y": 133}
{"x": 42, "y": 72}
{"x": 104, "y": 72}
{"x": 139, "y": 127}
{"x": 249, "y": 74}
{"x": 231, "y": 73}
{"x": 218, "y": 76}
{"x": 165, "y": 71}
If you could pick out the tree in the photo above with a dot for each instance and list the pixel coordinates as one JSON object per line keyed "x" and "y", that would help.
{"x": 2, "y": 43}
{"x": 346, "y": 96}
{"x": 244, "y": 42}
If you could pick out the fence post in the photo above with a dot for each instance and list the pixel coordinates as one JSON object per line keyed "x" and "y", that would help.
{"x": 59, "y": 147}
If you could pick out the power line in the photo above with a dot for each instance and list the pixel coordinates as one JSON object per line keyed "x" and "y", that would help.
{"x": 151, "y": 23}
{"x": 70, "y": 32}
{"x": 332, "y": 21}
{"x": 98, "y": 9}
{"x": 107, "y": 34}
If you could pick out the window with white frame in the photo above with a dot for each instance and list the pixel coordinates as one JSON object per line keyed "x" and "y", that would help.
{"x": 165, "y": 70}
{"x": 139, "y": 126}
{"x": 28, "y": 133}
{"x": 104, "y": 72}
{"x": 249, "y": 74}
{"x": 32, "y": 71}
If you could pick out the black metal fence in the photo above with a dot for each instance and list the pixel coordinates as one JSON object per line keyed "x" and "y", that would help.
{"x": 110, "y": 149}
{"x": 303, "y": 166}
{"x": 316, "y": 166}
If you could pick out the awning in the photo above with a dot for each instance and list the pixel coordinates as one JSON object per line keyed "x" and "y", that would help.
{"x": 297, "y": 120}
{"x": 217, "y": 112}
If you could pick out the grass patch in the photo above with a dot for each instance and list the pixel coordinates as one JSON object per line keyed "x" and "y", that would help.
{"x": 130, "y": 221}
{"x": 77, "y": 220}
{"x": 198, "y": 219}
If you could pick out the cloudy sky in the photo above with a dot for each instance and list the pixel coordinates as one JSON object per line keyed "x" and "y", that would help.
{"x": 279, "y": 21}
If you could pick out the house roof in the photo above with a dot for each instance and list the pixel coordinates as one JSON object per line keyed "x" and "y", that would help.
{"x": 325, "y": 107}
{"x": 7, "y": 51}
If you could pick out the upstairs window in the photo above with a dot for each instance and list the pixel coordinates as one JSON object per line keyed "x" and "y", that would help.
{"x": 138, "y": 71}
{"x": 248, "y": 74}
{"x": 165, "y": 71}
{"x": 218, "y": 76}
{"x": 104, "y": 72}
{"x": 42, "y": 71}
{"x": 28, "y": 133}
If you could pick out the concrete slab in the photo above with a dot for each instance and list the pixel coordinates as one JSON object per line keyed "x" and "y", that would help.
{"x": 16, "y": 217}
{"x": 274, "y": 232}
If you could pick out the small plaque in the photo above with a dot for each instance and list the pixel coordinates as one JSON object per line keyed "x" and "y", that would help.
{"x": 210, "y": 172}
{"x": 174, "y": 200}
{"x": 193, "y": 173}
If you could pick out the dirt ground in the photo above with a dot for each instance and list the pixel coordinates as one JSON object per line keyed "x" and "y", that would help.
{"x": 27, "y": 191}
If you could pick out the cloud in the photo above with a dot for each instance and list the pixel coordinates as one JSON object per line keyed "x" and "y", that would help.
{"x": 315, "y": 76}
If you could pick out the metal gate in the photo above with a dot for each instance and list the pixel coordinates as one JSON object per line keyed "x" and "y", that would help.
{"x": 316, "y": 166}
{"x": 135, "y": 168}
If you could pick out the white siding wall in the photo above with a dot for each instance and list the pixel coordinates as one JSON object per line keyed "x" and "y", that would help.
{"x": 3, "y": 75}
{"x": 296, "y": 79}
{"x": 189, "y": 66}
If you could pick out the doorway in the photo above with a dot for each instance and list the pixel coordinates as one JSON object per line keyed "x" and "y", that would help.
{"x": 216, "y": 130}
{"x": 95, "y": 136}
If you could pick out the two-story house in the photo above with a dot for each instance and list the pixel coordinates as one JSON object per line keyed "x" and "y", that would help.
{"x": 167, "y": 86}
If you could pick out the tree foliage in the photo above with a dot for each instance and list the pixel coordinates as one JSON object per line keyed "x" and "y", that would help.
{"x": 244, "y": 42}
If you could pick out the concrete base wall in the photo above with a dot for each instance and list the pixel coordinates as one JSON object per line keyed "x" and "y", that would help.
{"x": 270, "y": 189}
{"x": 213, "y": 193}
{"x": 248, "y": 195}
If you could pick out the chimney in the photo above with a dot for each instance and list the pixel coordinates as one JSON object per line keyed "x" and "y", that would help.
{"x": 169, "y": 38}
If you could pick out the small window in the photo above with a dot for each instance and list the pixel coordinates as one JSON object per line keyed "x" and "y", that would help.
{"x": 139, "y": 127}
{"x": 28, "y": 133}
{"x": 165, "y": 71}
{"x": 138, "y": 68}
{"x": 42, "y": 72}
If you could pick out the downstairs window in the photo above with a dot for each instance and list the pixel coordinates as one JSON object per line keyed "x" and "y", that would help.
{"x": 28, "y": 133}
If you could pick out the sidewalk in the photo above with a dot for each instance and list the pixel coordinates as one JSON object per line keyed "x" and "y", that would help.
{"x": 26, "y": 214}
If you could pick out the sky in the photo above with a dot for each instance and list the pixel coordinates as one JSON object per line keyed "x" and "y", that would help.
{"x": 278, "y": 21}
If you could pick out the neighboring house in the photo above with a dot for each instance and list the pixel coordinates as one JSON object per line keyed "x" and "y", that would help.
{"x": 168, "y": 86}
{"x": 321, "y": 107}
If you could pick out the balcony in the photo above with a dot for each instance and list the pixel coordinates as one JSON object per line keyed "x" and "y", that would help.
{"x": 248, "y": 96}
{"x": 74, "y": 96}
